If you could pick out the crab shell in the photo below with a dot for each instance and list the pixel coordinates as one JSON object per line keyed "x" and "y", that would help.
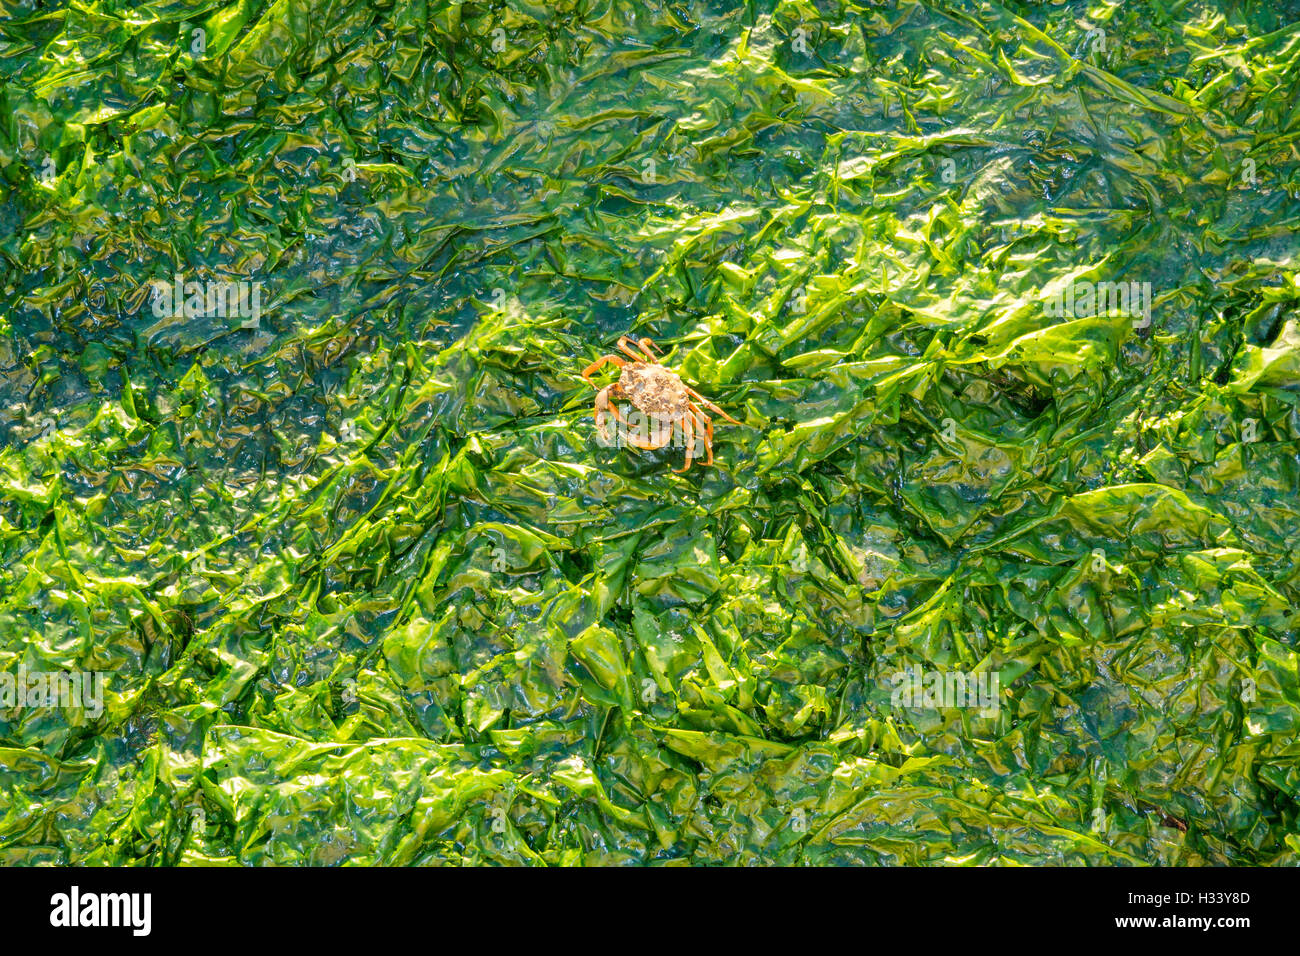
{"x": 655, "y": 390}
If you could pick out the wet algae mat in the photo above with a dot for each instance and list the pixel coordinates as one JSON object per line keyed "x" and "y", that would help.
{"x": 310, "y": 551}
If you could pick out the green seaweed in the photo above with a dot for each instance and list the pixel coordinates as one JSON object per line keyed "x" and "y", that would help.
{"x": 365, "y": 587}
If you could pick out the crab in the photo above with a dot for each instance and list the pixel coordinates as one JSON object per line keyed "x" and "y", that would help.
{"x": 658, "y": 392}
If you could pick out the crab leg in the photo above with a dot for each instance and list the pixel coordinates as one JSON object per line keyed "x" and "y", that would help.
{"x": 627, "y": 350}
{"x": 708, "y": 431}
{"x": 614, "y": 409}
{"x": 647, "y": 353}
{"x": 602, "y": 406}
{"x": 710, "y": 406}
{"x": 688, "y": 429}
{"x": 603, "y": 360}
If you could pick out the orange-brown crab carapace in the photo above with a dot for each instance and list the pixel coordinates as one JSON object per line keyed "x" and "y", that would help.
{"x": 667, "y": 405}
